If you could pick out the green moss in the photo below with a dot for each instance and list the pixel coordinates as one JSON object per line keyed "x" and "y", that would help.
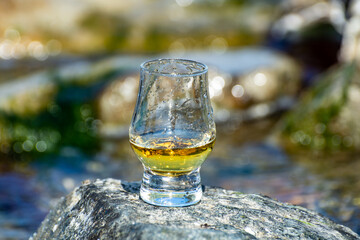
{"x": 310, "y": 124}
{"x": 70, "y": 118}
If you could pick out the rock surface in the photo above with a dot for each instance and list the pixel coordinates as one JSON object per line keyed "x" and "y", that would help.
{"x": 111, "y": 209}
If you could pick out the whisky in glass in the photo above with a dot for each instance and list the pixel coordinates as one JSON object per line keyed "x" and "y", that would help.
{"x": 172, "y": 130}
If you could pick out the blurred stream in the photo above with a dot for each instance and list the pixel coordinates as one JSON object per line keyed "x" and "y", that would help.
{"x": 246, "y": 156}
{"x": 243, "y": 160}
{"x": 68, "y": 87}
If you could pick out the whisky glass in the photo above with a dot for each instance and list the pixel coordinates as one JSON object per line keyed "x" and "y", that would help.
{"x": 172, "y": 130}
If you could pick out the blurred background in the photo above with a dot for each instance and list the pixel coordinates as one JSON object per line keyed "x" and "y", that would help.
{"x": 284, "y": 83}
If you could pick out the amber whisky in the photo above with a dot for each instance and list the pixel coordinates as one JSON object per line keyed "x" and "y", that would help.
{"x": 172, "y": 158}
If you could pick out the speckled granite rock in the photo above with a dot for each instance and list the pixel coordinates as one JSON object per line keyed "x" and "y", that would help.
{"x": 111, "y": 209}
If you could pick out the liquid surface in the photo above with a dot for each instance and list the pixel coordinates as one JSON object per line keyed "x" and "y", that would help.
{"x": 172, "y": 158}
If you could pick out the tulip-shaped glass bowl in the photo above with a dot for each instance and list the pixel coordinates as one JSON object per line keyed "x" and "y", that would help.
{"x": 172, "y": 130}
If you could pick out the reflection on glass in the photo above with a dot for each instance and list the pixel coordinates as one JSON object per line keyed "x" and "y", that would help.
{"x": 172, "y": 130}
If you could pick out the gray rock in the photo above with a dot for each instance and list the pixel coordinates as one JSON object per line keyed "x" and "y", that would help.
{"x": 111, "y": 209}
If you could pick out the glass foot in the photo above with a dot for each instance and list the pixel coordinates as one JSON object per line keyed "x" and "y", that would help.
{"x": 171, "y": 191}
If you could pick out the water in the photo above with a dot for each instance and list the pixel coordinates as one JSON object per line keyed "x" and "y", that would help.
{"x": 243, "y": 159}
{"x": 245, "y": 156}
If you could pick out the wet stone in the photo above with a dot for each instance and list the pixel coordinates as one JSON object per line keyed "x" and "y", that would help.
{"x": 111, "y": 209}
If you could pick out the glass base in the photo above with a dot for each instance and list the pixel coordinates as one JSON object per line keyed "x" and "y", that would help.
{"x": 171, "y": 191}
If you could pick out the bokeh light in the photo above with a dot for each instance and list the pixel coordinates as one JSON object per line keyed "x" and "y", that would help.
{"x": 283, "y": 83}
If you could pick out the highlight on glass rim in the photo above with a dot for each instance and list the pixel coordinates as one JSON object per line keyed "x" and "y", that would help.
{"x": 278, "y": 78}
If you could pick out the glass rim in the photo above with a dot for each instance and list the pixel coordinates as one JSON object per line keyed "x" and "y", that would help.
{"x": 144, "y": 67}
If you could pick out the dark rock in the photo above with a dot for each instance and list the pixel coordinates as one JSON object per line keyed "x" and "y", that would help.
{"x": 111, "y": 209}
